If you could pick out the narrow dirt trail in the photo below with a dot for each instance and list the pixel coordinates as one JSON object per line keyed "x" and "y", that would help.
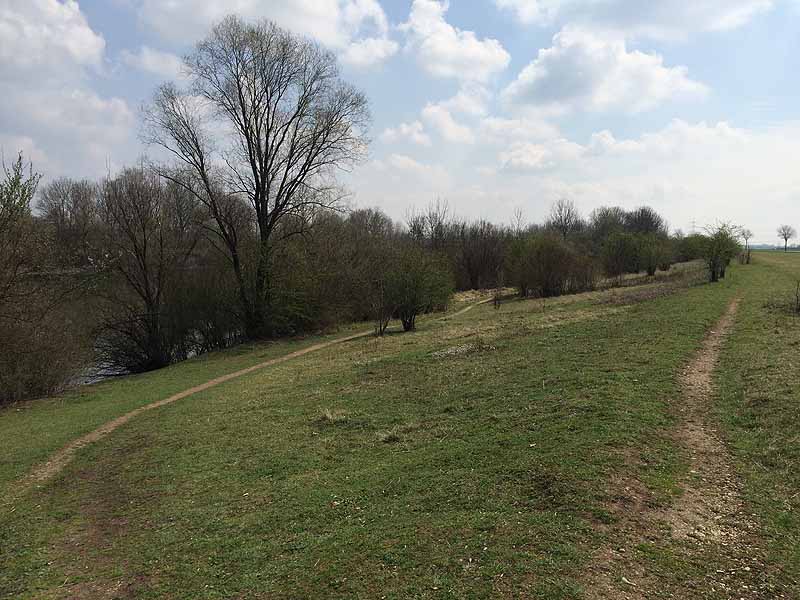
{"x": 62, "y": 457}
{"x": 707, "y": 520}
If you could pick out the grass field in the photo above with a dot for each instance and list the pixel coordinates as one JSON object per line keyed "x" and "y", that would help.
{"x": 759, "y": 404}
{"x": 477, "y": 457}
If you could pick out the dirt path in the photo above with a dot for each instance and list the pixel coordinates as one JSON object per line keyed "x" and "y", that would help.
{"x": 707, "y": 520}
{"x": 62, "y": 457}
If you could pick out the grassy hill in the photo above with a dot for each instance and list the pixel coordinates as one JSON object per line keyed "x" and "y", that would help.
{"x": 481, "y": 456}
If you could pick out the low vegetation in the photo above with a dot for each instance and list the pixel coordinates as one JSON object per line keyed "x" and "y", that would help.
{"x": 497, "y": 464}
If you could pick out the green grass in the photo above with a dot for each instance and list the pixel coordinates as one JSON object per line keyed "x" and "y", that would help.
{"x": 31, "y": 431}
{"x": 471, "y": 459}
{"x": 759, "y": 403}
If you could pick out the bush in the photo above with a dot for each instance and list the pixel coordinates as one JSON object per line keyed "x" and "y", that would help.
{"x": 691, "y": 247}
{"x": 42, "y": 345}
{"x": 653, "y": 253}
{"x": 720, "y": 247}
{"x": 40, "y": 357}
{"x": 545, "y": 266}
{"x": 621, "y": 254}
{"x": 419, "y": 283}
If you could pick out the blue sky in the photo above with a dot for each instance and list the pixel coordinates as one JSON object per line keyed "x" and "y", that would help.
{"x": 493, "y": 105}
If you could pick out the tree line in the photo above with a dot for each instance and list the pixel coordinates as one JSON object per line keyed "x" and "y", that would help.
{"x": 242, "y": 234}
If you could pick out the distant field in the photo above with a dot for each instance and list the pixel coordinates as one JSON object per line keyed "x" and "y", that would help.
{"x": 477, "y": 457}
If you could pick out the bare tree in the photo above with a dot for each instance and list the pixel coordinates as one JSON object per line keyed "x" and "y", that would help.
{"x": 432, "y": 226}
{"x": 564, "y": 217}
{"x": 518, "y": 222}
{"x": 267, "y": 119}
{"x": 480, "y": 255}
{"x": 786, "y": 233}
{"x": 70, "y": 208}
{"x": 149, "y": 235}
{"x": 746, "y": 235}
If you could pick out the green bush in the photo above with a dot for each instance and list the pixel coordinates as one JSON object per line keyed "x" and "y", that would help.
{"x": 419, "y": 283}
{"x": 720, "y": 247}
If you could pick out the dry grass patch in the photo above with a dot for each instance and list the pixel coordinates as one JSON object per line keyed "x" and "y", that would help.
{"x": 330, "y": 416}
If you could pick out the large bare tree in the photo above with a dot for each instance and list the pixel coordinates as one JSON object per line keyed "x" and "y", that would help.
{"x": 265, "y": 123}
{"x": 786, "y": 233}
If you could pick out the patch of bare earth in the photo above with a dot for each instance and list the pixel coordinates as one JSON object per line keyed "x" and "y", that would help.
{"x": 706, "y": 529}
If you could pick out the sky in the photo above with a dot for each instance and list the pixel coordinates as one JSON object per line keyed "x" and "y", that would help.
{"x": 494, "y": 106}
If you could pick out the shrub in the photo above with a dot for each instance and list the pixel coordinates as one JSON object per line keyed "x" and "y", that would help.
{"x": 690, "y": 247}
{"x": 720, "y": 246}
{"x": 41, "y": 356}
{"x": 42, "y": 346}
{"x": 419, "y": 283}
{"x": 621, "y": 254}
{"x": 653, "y": 253}
{"x": 546, "y": 266}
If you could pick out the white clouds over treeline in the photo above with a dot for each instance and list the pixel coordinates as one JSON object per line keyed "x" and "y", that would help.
{"x": 486, "y": 129}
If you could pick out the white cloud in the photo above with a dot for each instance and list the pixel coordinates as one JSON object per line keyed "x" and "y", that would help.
{"x": 501, "y": 130}
{"x": 10, "y": 145}
{"x": 689, "y": 172}
{"x": 661, "y": 19}
{"x": 585, "y": 71}
{"x": 356, "y": 29}
{"x": 369, "y": 52}
{"x": 528, "y": 156}
{"x": 471, "y": 99}
{"x": 678, "y": 141}
{"x": 440, "y": 119}
{"x": 162, "y": 64}
{"x": 76, "y": 131}
{"x": 46, "y": 34}
{"x": 406, "y": 163}
{"x": 413, "y": 132}
{"x": 446, "y": 51}
{"x": 399, "y": 182}
{"x": 48, "y": 106}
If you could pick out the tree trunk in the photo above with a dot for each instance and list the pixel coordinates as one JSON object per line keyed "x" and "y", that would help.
{"x": 409, "y": 322}
{"x": 256, "y": 309}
